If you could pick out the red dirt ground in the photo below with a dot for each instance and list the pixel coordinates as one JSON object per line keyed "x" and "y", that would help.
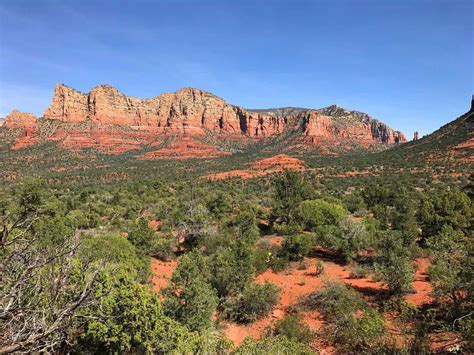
{"x": 295, "y": 283}
{"x": 162, "y": 271}
{"x": 263, "y": 167}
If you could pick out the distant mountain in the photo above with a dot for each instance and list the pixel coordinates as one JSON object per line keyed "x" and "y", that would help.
{"x": 189, "y": 123}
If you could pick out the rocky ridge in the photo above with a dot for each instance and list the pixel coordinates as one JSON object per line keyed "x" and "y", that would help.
{"x": 107, "y": 120}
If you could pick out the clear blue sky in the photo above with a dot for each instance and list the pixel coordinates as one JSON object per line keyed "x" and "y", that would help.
{"x": 407, "y": 63}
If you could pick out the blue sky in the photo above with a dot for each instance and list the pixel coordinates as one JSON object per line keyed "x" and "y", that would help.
{"x": 407, "y": 63}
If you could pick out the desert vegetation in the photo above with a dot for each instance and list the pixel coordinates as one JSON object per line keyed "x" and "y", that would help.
{"x": 76, "y": 256}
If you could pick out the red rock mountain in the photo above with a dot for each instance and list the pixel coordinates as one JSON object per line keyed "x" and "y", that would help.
{"x": 108, "y": 120}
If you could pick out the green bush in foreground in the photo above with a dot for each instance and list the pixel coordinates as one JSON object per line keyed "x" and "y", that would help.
{"x": 273, "y": 345}
{"x": 293, "y": 328}
{"x": 351, "y": 323}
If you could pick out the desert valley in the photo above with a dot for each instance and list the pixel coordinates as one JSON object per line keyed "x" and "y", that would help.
{"x": 236, "y": 177}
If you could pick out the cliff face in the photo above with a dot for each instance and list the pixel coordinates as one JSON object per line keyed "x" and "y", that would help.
{"x": 186, "y": 111}
{"x": 106, "y": 119}
{"x": 337, "y": 124}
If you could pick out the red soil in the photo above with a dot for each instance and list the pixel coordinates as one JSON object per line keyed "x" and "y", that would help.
{"x": 162, "y": 271}
{"x": 268, "y": 166}
{"x": 295, "y": 283}
{"x": 184, "y": 148}
{"x": 421, "y": 286}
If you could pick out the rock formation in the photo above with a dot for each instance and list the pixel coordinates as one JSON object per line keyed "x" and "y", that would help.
{"x": 17, "y": 119}
{"x": 188, "y": 110}
{"x": 26, "y": 124}
{"x": 107, "y": 120}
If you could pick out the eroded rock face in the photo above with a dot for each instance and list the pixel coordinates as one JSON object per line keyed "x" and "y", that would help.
{"x": 337, "y": 125}
{"x": 26, "y": 125}
{"x": 188, "y": 110}
{"x": 17, "y": 119}
{"x": 107, "y": 120}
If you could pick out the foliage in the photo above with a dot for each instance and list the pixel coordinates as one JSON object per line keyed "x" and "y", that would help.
{"x": 290, "y": 189}
{"x": 254, "y": 302}
{"x": 142, "y": 236}
{"x": 293, "y": 328}
{"x": 189, "y": 297}
{"x": 452, "y": 264}
{"x": 295, "y": 247}
{"x": 272, "y": 345}
{"x": 394, "y": 265}
{"x": 352, "y": 323}
{"x": 116, "y": 250}
{"x": 44, "y": 285}
{"x": 314, "y": 213}
{"x": 346, "y": 239}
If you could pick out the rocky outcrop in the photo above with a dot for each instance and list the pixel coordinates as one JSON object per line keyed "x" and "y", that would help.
{"x": 25, "y": 125}
{"x": 184, "y": 148}
{"x": 339, "y": 125}
{"x": 107, "y": 120}
{"x": 17, "y": 119}
{"x": 268, "y": 166}
{"x": 188, "y": 111}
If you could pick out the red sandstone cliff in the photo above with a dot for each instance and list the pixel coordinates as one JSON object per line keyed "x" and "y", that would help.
{"x": 188, "y": 110}
{"x": 107, "y": 120}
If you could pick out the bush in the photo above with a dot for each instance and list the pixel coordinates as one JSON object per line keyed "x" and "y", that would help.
{"x": 314, "y": 213}
{"x": 163, "y": 247}
{"x": 319, "y": 268}
{"x": 272, "y": 345}
{"x": 358, "y": 271}
{"x": 293, "y": 328}
{"x": 352, "y": 323}
{"x": 297, "y": 246}
{"x": 346, "y": 239}
{"x": 394, "y": 265}
{"x": 253, "y": 303}
{"x": 262, "y": 259}
{"x": 189, "y": 298}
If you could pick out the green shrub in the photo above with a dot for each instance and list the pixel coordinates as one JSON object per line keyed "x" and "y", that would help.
{"x": 314, "y": 213}
{"x": 189, "y": 297}
{"x": 346, "y": 239}
{"x": 163, "y": 247}
{"x": 358, "y": 271}
{"x": 297, "y": 246}
{"x": 272, "y": 345}
{"x": 393, "y": 265}
{"x": 293, "y": 328}
{"x": 256, "y": 301}
{"x": 351, "y": 322}
{"x": 279, "y": 263}
{"x": 262, "y": 259}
